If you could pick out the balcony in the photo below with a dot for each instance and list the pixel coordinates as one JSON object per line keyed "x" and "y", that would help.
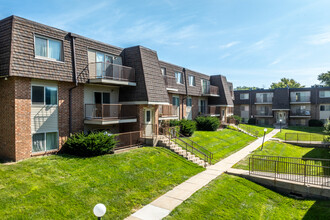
{"x": 264, "y": 114}
{"x": 109, "y": 73}
{"x": 168, "y": 112}
{"x": 214, "y": 110}
{"x": 170, "y": 83}
{"x": 300, "y": 113}
{"x": 210, "y": 90}
{"x": 106, "y": 114}
{"x": 300, "y": 99}
{"x": 264, "y": 100}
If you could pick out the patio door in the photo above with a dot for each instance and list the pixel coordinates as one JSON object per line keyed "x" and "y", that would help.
{"x": 148, "y": 122}
{"x": 188, "y": 108}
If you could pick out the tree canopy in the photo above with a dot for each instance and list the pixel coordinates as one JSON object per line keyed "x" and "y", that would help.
{"x": 246, "y": 88}
{"x": 324, "y": 78}
{"x": 286, "y": 82}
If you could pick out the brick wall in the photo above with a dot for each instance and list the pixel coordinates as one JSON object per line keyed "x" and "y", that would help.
{"x": 7, "y": 118}
{"x": 63, "y": 110}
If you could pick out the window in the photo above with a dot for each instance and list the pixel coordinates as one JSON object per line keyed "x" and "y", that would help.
{"x": 148, "y": 116}
{"x": 49, "y": 48}
{"x": 102, "y": 97}
{"x": 324, "y": 108}
{"x": 44, "y": 95}
{"x": 244, "y": 96}
{"x": 325, "y": 94}
{"x": 178, "y": 77}
{"x": 163, "y": 70}
{"x": 175, "y": 101}
{"x": 205, "y": 86}
{"x": 191, "y": 80}
{"x": 104, "y": 65}
{"x": 189, "y": 102}
{"x": 244, "y": 108}
{"x": 44, "y": 141}
{"x": 202, "y": 106}
{"x": 300, "y": 96}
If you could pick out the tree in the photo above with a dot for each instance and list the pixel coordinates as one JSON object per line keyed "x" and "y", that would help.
{"x": 246, "y": 88}
{"x": 286, "y": 82}
{"x": 324, "y": 78}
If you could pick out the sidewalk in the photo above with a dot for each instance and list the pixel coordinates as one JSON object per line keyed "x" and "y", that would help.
{"x": 163, "y": 206}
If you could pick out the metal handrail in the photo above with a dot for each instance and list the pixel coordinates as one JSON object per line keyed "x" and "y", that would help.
{"x": 123, "y": 73}
{"x": 299, "y": 137}
{"x": 172, "y": 135}
{"x": 294, "y": 171}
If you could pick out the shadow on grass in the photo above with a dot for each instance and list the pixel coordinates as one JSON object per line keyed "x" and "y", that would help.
{"x": 315, "y": 130}
{"x": 320, "y": 210}
{"x": 321, "y": 153}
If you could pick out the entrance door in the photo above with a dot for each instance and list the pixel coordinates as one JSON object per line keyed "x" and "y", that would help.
{"x": 176, "y": 104}
{"x": 188, "y": 108}
{"x": 148, "y": 122}
{"x": 281, "y": 117}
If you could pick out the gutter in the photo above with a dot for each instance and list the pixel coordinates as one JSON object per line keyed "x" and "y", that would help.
{"x": 75, "y": 79}
{"x": 185, "y": 82}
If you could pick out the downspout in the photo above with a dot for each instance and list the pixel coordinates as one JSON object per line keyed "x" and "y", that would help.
{"x": 185, "y": 82}
{"x": 75, "y": 79}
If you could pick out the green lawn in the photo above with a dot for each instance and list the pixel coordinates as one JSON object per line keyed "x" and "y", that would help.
{"x": 65, "y": 187}
{"x": 274, "y": 148}
{"x": 222, "y": 143}
{"x": 255, "y": 129}
{"x": 317, "y": 133}
{"x": 231, "y": 197}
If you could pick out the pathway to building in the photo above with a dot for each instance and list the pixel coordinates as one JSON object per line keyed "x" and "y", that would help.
{"x": 163, "y": 206}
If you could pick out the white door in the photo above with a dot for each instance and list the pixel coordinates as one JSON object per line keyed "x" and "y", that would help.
{"x": 148, "y": 121}
{"x": 188, "y": 108}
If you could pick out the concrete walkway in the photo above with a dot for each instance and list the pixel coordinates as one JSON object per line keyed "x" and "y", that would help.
{"x": 163, "y": 206}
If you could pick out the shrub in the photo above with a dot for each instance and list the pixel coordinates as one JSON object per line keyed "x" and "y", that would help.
{"x": 252, "y": 121}
{"x": 315, "y": 123}
{"x": 174, "y": 123}
{"x": 232, "y": 127}
{"x": 236, "y": 118}
{"x": 207, "y": 123}
{"x": 188, "y": 127}
{"x": 93, "y": 144}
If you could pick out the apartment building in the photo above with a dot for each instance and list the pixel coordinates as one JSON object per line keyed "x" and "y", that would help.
{"x": 55, "y": 83}
{"x": 292, "y": 106}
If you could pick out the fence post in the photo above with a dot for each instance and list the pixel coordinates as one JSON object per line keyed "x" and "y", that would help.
{"x": 275, "y": 169}
{"x": 305, "y": 174}
{"x": 249, "y": 165}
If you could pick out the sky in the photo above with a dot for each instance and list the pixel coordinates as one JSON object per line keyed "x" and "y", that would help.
{"x": 252, "y": 43}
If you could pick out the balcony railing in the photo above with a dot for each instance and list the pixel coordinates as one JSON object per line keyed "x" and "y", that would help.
{"x": 267, "y": 99}
{"x": 214, "y": 110}
{"x": 298, "y": 112}
{"x": 210, "y": 90}
{"x": 168, "y": 111}
{"x": 110, "y": 111}
{"x": 170, "y": 82}
{"x": 264, "y": 113}
{"x": 301, "y": 99}
{"x": 102, "y": 70}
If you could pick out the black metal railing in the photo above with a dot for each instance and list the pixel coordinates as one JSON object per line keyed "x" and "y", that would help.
{"x": 305, "y": 170}
{"x": 128, "y": 139}
{"x": 172, "y": 134}
{"x": 306, "y": 138}
{"x": 249, "y": 130}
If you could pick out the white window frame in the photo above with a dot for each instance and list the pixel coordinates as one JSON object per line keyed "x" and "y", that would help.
{"x": 192, "y": 80}
{"x": 47, "y": 49}
{"x": 44, "y": 103}
{"x": 177, "y": 79}
{"x": 163, "y": 71}
{"x": 45, "y": 141}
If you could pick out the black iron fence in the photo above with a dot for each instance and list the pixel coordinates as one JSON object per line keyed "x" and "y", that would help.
{"x": 305, "y": 170}
{"x": 306, "y": 138}
{"x": 249, "y": 130}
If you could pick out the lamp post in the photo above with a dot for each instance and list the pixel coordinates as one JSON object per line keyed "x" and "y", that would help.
{"x": 99, "y": 210}
{"x": 262, "y": 146}
{"x": 280, "y": 125}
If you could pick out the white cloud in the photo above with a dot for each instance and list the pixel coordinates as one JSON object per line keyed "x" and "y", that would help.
{"x": 275, "y": 61}
{"x": 225, "y": 46}
{"x": 319, "y": 39}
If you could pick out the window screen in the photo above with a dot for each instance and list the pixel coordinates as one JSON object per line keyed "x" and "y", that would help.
{"x": 37, "y": 95}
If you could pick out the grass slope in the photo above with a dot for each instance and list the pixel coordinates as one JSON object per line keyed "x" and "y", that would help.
{"x": 274, "y": 148}
{"x": 64, "y": 187}
{"x": 317, "y": 132}
{"x": 222, "y": 143}
{"x": 253, "y": 129}
{"x": 231, "y": 197}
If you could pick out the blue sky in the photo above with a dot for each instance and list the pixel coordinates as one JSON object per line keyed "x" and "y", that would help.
{"x": 253, "y": 43}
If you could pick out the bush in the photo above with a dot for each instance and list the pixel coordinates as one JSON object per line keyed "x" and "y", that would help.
{"x": 207, "y": 123}
{"x": 252, "y": 121}
{"x": 188, "y": 127}
{"x": 93, "y": 144}
{"x": 237, "y": 119}
{"x": 174, "y": 123}
{"x": 315, "y": 123}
